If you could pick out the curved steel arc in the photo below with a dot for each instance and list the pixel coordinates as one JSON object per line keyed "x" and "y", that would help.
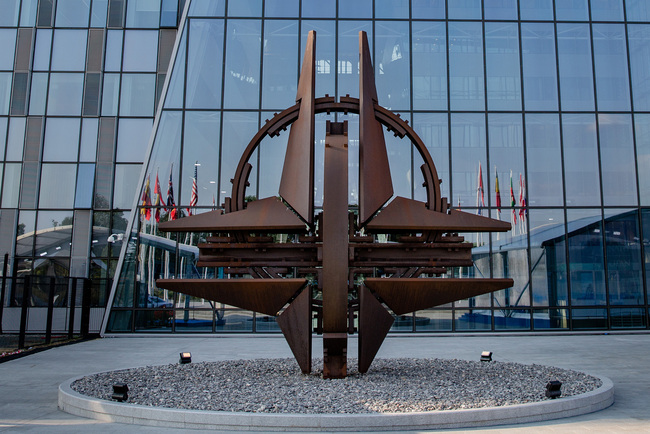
{"x": 281, "y": 121}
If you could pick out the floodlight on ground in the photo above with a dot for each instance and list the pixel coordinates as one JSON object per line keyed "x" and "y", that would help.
{"x": 120, "y": 392}
{"x": 486, "y": 356}
{"x": 185, "y": 358}
{"x": 553, "y": 389}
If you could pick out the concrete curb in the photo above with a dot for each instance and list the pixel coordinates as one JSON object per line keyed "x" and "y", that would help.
{"x": 109, "y": 411}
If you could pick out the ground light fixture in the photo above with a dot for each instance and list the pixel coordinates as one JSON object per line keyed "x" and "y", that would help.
{"x": 186, "y": 357}
{"x": 486, "y": 356}
{"x": 120, "y": 392}
{"x": 553, "y": 389}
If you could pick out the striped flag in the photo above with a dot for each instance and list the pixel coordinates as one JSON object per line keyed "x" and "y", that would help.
{"x": 146, "y": 201}
{"x": 497, "y": 191}
{"x": 512, "y": 204}
{"x": 522, "y": 200}
{"x": 171, "y": 206}
{"x": 194, "y": 199}
{"x": 157, "y": 194}
{"x": 480, "y": 200}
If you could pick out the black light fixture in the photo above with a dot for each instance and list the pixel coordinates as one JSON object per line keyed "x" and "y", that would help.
{"x": 553, "y": 389}
{"x": 120, "y": 392}
{"x": 486, "y": 356}
{"x": 185, "y": 358}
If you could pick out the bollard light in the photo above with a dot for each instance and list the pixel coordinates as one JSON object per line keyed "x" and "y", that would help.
{"x": 553, "y": 389}
{"x": 185, "y": 358}
{"x": 486, "y": 356}
{"x": 120, "y": 392}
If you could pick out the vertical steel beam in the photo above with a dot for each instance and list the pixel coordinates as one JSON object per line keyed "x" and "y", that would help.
{"x": 335, "y": 251}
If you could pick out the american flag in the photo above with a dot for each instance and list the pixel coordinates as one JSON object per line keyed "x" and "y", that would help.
{"x": 194, "y": 199}
{"x": 171, "y": 206}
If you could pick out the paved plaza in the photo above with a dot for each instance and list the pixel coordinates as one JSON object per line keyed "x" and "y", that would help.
{"x": 29, "y": 385}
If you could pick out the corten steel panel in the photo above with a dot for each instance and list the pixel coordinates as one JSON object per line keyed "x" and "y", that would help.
{"x": 375, "y": 183}
{"x": 266, "y": 215}
{"x": 374, "y": 324}
{"x": 260, "y": 295}
{"x": 295, "y": 323}
{"x": 408, "y": 295}
{"x": 297, "y": 182}
{"x": 257, "y": 255}
{"x": 407, "y": 215}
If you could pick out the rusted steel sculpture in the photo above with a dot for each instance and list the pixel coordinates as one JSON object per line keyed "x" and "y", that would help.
{"x": 338, "y": 248}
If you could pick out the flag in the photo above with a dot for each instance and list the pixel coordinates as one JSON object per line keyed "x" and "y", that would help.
{"x": 171, "y": 206}
{"x": 512, "y": 202}
{"x": 459, "y": 203}
{"x": 157, "y": 193}
{"x": 480, "y": 201}
{"x": 146, "y": 201}
{"x": 214, "y": 205}
{"x": 522, "y": 200}
{"x": 497, "y": 191}
{"x": 194, "y": 199}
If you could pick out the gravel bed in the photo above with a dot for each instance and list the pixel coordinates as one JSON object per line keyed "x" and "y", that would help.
{"x": 390, "y": 386}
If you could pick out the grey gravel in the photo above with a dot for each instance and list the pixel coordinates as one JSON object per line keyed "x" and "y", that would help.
{"x": 390, "y": 386}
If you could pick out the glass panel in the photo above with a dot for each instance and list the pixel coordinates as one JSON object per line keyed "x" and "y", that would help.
{"x": 466, "y": 66}
{"x": 42, "y": 49}
{"x": 57, "y": 185}
{"x": 28, "y": 13}
{"x": 140, "y": 50}
{"x": 53, "y": 234}
{"x": 245, "y": 8}
{"x": 9, "y": 16}
{"x": 607, "y": 10}
{"x": 391, "y": 62}
{"x": 399, "y": 155}
{"x": 126, "y": 181}
{"x": 194, "y": 321}
{"x": 512, "y": 263}
{"x": 65, "y": 94}
{"x": 281, "y": 8}
{"x": 544, "y": 182}
{"x": 174, "y": 97}
{"x": 356, "y": 9}
{"x": 98, "y": 15}
{"x": 166, "y": 151}
{"x": 467, "y": 154}
{"x": 242, "y": 76}
{"x": 154, "y": 320}
{"x": 617, "y": 159}
{"x": 502, "y": 62}
{"x": 586, "y": 261}
{"x": 205, "y": 63}
{"x": 429, "y": 66}
{"x": 465, "y": 9}
{"x": 623, "y": 257}
{"x": 207, "y": 8}
{"x": 25, "y": 233}
{"x": 645, "y": 222}
{"x": 85, "y": 183}
{"x": 550, "y": 319}
{"x": 501, "y": 10}
{"x": 143, "y": 13}
{"x": 588, "y": 319}
{"x": 38, "y": 93}
{"x": 428, "y": 9}
{"x": 5, "y": 92}
{"x": 16, "y": 139}
{"x": 627, "y": 318}
{"x": 433, "y": 320}
{"x": 610, "y": 58}
{"x": 72, "y": 13}
{"x": 88, "y": 149}
{"x": 3, "y": 135}
{"x": 572, "y": 10}
{"x": 325, "y": 54}
{"x": 7, "y": 48}
{"x": 642, "y": 131}
{"x": 511, "y": 319}
{"x": 113, "y": 60}
{"x": 238, "y": 129}
{"x": 638, "y": 35}
{"x": 61, "y": 141}
{"x": 69, "y": 50}
{"x": 637, "y": 10}
{"x": 536, "y": 10}
{"x": 576, "y": 75}
{"x": 137, "y": 94}
{"x": 235, "y": 321}
{"x": 133, "y": 140}
{"x": 390, "y": 9}
{"x": 348, "y": 58}
{"x": 120, "y": 320}
{"x": 475, "y": 319}
{"x": 434, "y": 132}
{"x": 580, "y": 160}
{"x": 548, "y": 256}
{"x": 11, "y": 185}
{"x": 280, "y": 74}
{"x": 319, "y": 8}
{"x": 110, "y": 95}
{"x": 272, "y": 151}
{"x": 201, "y": 146}
{"x": 169, "y": 14}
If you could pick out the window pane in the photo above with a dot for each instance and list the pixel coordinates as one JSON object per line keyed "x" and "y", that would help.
{"x": 140, "y": 50}
{"x": 99, "y": 13}
{"x": 586, "y": 257}
{"x": 166, "y": 150}
{"x": 245, "y": 8}
{"x": 133, "y": 139}
{"x": 281, "y": 8}
{"x": 38, "y": 93}
{"x": 16, "y": 139}
{"x": 617, "y": 159}
{"x": 7, "y": 48}
{"x": 126, "y": 181}
{"x": 3, "y": 135}
{"x": 432, "y": 9}
{"x": 502, "y": 62}
{"x": 57, "y": 185}
{"x": 607, "y": 10}
{"x": 5, "y": 92}
{"x": 642, "y": 131}
{"x": 501, "y": 10}
{"x": 392, "y": 64}
{"x": 429, "y": 66}
{"x": 580, "y": 160}
{"x": 390, "y": 8}
{"x": 356, "y": 9}
{"x": 610, "y": 58}
{"x": 72, "y": 13}
{"x": 9, "y": 15}
{"x": 466, "y": 66}
{"x": 540, "y": 77}
{"x": 137, "y": 95}
{"x": 325, "y": 54}
{"x": 42, "y": 49}
{"x": 280, "y": 74}
{"x": 319, "y": 8}
{"x": 69, "y": 50}
{"x": 113, "y": 60}
{"x": 544, "y": 161}
{"x": 637, "y": 10}
{"x": 433, "y": 130}
{"x": 467, "y": 151}
{"x": 110, "y": 94}
{"x": 536, "y": 9}
{"x": 465, "y": 9}
{"x": 88, "y": 148}
{"x": 576, "y": 75}
{"x": 201, "y": 145}
{"x": 238, "y": 128}
{"x": 572, "y": 10}
{"x": 85, "y": 183}
{"x": 242, "y": 80}
{"x": 11, "y": 185}
{"x": 638, "y": 35}
{"x": 61, "y": 139}
{"x": 205, "y": 63}
{"x": 53, "y": 234}
{"x": 143, "y": 13}
{"x": 548, "y": 256}
{"x": 175, "y": 89}
{"x": 348, "y": 62}
{"x": 28, "y": 13}
{"x": 207, "y": 8}
{"x": 623, "y": 257}
{"x": 65, "y": 94}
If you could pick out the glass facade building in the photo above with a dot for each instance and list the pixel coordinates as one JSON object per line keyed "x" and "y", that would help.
{"x": 535, "y": 112}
